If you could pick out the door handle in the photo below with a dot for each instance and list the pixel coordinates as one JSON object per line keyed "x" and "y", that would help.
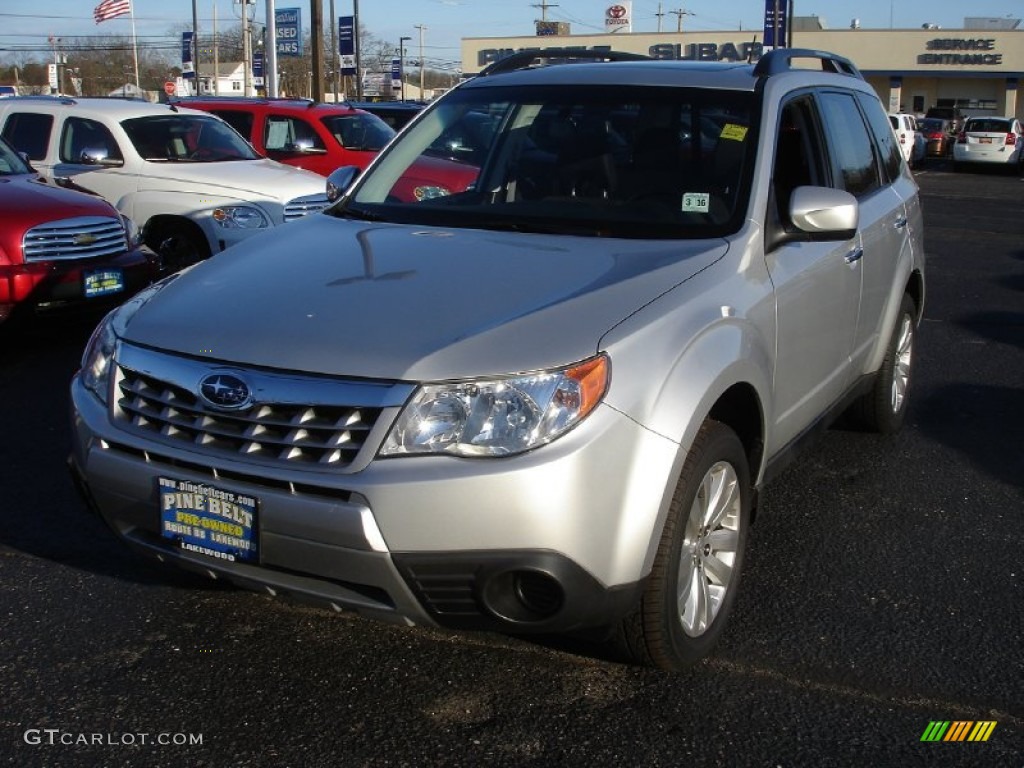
{"x": 854, "y": 255}
{"x": 900, "y": 223}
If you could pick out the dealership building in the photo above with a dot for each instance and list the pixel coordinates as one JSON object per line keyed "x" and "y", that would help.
{"x": 977, "y": 68}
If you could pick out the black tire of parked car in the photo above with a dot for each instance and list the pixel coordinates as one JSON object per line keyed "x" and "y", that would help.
{"x": 178, "y": 245}
{"x": 875, "y": 410}
{"x": 653, "y": 634}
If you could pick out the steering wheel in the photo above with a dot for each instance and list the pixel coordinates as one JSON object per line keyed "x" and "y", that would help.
{"x": 202, "y": 153}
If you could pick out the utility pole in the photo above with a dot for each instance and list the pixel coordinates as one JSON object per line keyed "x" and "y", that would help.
{"x": 316, "y": 33}
{"x": 421, "y": 28}
{"x": 659, "y": 14}
{"x": 334, "y": 53}
{"x": 679, "y": 13}
{"x": 246, "y": 49}
{"x": 195, "y": 45}
{"x": 401, "y": 62}
{"x": 270, "y": 51}
{"x": 358, "y": 46}
{"x": 544, "y": 5}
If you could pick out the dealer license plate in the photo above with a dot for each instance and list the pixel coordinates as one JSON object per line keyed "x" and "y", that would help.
{"x": 101, "y": 282}
{"x": 208, "y": 520}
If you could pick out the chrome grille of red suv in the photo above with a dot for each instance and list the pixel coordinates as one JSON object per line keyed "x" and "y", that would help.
{"x": 84, "y": 237}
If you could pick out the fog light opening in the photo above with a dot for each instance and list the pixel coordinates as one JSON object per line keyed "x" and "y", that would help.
{"x": 523, "y": 596}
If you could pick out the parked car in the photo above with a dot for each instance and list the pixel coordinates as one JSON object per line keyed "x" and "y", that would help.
{"x": 395, "y": 113}
{"x": 546, "y": 403}
{"x": 324, "y": 137}
{"x": 953, "y": 114}
{"x": 8, "y": 90}
{"x": 184, "y": 176}
{"x": 299, "y": 132}
{"x": 63, "y": 250}
{"x": 939, "y": 136}
{"x": 988, "y": 140}
{"x": 912, "y": 142}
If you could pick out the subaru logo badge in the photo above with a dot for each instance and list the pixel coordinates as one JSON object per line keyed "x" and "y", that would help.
{"x": 225, "y": 391}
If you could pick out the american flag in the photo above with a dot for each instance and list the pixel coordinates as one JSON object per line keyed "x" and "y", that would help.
{"x": 110, "y": 9}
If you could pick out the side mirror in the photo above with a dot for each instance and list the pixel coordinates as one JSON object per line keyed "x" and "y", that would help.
{"x": 304, "y": 147}
{"x": 824, "y": 213}
{"x": 340, "y": 180}
{"x": 98, "y": 156}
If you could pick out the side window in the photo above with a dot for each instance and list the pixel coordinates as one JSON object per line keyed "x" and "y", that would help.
{"x": 81, "y": 135}
{"x": 851, "y": 143}
{"x": 888, "y": 149}
{"x": 240, "y": 121}
{"x": 287, "y": 134}
{"x": 29, "y": 133}
{"x": 799, "y": 159}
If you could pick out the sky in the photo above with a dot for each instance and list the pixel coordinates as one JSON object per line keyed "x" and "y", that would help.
{"x": 26, "y": 25}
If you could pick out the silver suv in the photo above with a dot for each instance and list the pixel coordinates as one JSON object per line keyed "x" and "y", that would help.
{"x": 545, "y": 402}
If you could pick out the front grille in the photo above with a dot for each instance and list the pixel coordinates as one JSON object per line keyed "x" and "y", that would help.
{"x": 303, "y": 206}
{"x": 84, "y": 237}
{"x": 278, "y": 433}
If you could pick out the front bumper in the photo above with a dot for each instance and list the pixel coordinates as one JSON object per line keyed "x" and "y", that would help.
{"x": 57, "y": 287}
{"x": 555, "y": 540}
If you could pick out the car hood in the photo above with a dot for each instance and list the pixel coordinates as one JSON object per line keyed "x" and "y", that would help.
{"x": 245, "y": 179}
{"x": 398, "y": 302}
{"x": 27, "y": 201}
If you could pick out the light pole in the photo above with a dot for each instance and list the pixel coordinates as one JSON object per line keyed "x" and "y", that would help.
{"x": 421, "y": 28}
{"x": 401, "y": 62}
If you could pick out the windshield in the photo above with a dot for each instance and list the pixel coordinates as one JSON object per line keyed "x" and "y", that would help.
{"x": 989, "y": 125}
{"x": 11, "y": 163}
{"x": 186, "y": 138}
{"x": 597, "y": 160}
{"x": 359, "y": 131}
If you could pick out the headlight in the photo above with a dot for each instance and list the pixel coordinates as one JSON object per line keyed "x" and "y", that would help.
{"x": 240, "y": 217}
{"x": 498, "y": 417}
{"x": 429, "y": 192}
{"x": 97, "y": 359}
{"x": 132, "y": 234}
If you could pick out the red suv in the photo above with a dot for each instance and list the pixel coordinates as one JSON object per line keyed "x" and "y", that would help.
{"x": 60, "y": 248}
{"x": 306, "y": 134}
{"x": 324, "y": 137}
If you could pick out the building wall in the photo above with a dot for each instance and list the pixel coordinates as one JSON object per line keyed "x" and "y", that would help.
{"x": 978, "y": 68}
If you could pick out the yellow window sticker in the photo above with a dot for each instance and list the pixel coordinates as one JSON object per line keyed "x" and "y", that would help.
{"x": 733, "y": 132}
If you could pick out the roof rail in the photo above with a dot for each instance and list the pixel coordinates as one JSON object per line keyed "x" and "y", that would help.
{"x": 781, "y": 60}
{"x": 52, "y": 98}
{"x": 524, "y": 59}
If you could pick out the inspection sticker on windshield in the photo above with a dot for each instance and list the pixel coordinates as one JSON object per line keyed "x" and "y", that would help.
{"x": 695, "y": 202}
{"x": 208, "y": 520}
{"x": 733, "y": 132}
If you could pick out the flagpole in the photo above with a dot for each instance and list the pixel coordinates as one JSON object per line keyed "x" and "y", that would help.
{"x": 135, "y": 46}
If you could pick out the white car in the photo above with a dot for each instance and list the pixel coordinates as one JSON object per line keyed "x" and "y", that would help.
{"x": 185, "y": 177}
{"x": 997, "y": 140}
{"x": 912, "y": 144}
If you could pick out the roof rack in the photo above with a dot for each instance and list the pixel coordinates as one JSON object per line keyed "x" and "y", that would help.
{"x": 781, "y": 60}
{"x": 524, "y": 59}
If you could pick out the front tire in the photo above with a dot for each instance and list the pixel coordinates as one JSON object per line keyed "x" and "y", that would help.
{"x": 693, "y": 583}
{"x": 884, "y": 408}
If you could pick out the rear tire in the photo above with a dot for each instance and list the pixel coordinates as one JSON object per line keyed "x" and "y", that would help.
{"x": 693, "y": 583}
{"x": 884, "y": 408}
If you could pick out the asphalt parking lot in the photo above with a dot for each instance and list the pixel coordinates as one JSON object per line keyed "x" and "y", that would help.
{"x": 882, "y": 592}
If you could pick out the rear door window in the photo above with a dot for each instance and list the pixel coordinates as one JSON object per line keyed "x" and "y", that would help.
{"x": 29, "y": 132}
{"x": 851, "y": 143}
